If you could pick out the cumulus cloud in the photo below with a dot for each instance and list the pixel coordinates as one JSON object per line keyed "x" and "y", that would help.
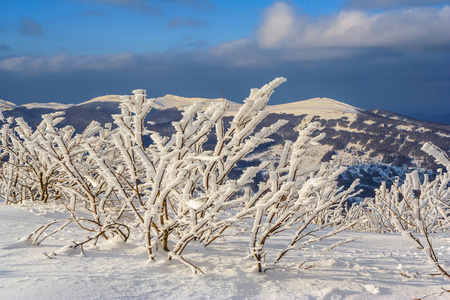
{"x": 180, "y": 22}
{"x": 364, "y": 4}
{"x": 29, "y": 26}
{"x": 284, "y": 27}
{"x": 280, "y": 22}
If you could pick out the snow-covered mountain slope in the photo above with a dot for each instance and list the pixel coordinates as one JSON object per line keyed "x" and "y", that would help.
{"x": 172, "y": 101}
{"x": 6, "y": 105}
{"x": 310, "y": 106}
{"x": 169, "y": 101}
{"x": 51, "y": 105}
{"x": 314, "y": 106}
{"x": 106, "y": 98}
{"x": 330, "y": 107}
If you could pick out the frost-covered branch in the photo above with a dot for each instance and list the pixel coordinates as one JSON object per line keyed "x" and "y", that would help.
{"x": 416, "y": 208}
{"x": 122, "y": 179}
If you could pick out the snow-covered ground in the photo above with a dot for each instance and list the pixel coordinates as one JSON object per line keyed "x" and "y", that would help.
{"x": 368, "y": 268}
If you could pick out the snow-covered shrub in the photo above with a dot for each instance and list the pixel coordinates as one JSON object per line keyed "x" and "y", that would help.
{"x": 302, "y": 201}
{"x": 50, "y": 164}
{"x": 171, "y": 191}
{"x": 416, "y": 208}
{"x": 25, "y": 173}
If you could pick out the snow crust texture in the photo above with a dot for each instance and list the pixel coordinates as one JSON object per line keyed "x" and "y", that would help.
{"x": 369, "y": 268}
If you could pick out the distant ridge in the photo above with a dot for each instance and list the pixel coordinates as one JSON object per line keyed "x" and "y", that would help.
{"x": 444, "y": 118}
{"x": 309, "y": 106}
{"x": 327, "y": 107}
{"x": 295, "y": 108}
{"x": 408, "y": 119}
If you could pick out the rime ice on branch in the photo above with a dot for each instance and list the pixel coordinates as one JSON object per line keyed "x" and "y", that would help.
{"x": 416, "y": 208}
{"x": 113, "y": 183}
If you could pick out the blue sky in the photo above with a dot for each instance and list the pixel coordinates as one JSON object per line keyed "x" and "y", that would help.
{"x": 391, "y": 54}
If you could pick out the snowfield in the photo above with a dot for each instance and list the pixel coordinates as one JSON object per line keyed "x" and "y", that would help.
{"x": 368, "y": 268}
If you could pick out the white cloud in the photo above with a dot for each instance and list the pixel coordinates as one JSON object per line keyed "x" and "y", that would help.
{"x": 285, "y": 35}
{"x": 284, "y": 28}
{"x": 64, "y": 62}
{"x": 280, "y": 22}
{"x": 238, "y": 53}
{"x": 12, "y": 64}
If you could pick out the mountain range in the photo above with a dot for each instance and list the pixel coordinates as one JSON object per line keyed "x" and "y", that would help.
{"x": 376, "y": 144}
